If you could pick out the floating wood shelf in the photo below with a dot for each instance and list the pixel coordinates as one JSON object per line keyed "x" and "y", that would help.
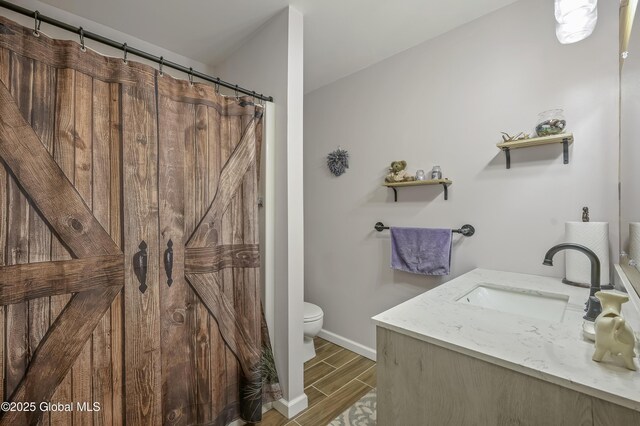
{"x": 564, "y": 138}
{"x": 444, "y": 182}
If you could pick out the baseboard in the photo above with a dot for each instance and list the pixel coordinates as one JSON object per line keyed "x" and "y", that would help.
{"x": 348, "y": 344}
{"x": 291, "y": 408}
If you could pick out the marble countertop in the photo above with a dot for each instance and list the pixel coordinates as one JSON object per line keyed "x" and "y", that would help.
{"x": 552, "y": 351}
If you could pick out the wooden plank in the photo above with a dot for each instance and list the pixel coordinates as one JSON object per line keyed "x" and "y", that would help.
{"x": 47, "y": 185}
{"x": 223, "y": 227}
{"x": 18, "y": 228}
{"x": 200, "y": 203}
{"x": 259, "y": 144}
{"x": 418, "y": 183}
{"x": 544, "y": 140}
{"x": 42, "y": 121}
{"x": 24, "y": 282}
{"x": 187, "y": 128}
{"x": 243, "y": 291}
{"x": 83, "y": 143}
{"x": 188, "y": 120}
{"x": 4, "y": 79}
{"x": 143, "y": 390}
{"x": 115, "y": 229}
{"x": 218, "y": 366}
{"x": 324, "y": 411}
{"x": 250, "y": 235}
{"x": 58, "y": 350}
{"x": 334, "y": 381}
{"x": 230, "y": 180}
{"x": 203, "y": 260}
{"x": 176, "y": 300}
{"x": 237, "y": 230}
{"x": 63, "y": 154}
{"x": 235, "y": 336}
{"x": 101, "y": 383}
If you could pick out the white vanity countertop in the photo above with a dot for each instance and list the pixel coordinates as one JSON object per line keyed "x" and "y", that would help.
{"x": 552, "y": 351}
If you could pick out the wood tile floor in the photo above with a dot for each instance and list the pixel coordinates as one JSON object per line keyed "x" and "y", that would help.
{"x": 334, "y": 380}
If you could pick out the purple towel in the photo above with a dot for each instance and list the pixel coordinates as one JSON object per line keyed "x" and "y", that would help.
{"x": 425, "y": 251}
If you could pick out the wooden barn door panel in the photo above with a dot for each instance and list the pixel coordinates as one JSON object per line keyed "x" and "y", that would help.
{"x": 38, "y": 176}
{"x": 213, "y": 317}
{"x": 142, "y": 305}
{"x": 220, "y": 267}
{"x": 60, "y": 144}
{"x": 177, "y": 309}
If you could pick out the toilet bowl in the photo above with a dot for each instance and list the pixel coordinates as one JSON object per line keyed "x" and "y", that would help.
{"x": 313, "y": 317}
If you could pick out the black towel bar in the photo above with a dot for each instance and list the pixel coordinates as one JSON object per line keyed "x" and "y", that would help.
{"x": 466, "y": 230}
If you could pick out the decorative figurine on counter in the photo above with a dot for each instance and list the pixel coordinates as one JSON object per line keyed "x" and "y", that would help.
{"x": 397, "y": 173}
{"x": 613, "y": 334}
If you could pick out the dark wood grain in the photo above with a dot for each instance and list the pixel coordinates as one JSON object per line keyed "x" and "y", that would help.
{"x": 230, "y": 180}
{"x": 200, "y": 203}
{"x": 47, "y": 185}
{"x": 250, "y": 236}
{"x": 219, "y": 351}
{"x": 17, "y": 357}
{"x": 42, "y": 121}
{"x": 143, "y": 387}
{"x": 222, "y": 233}
{"x": 83, "y": 181}
{"x": 101, "y": 374}
{"x": 176, "y": 300}
{"x": 235, "y": 336}
{"x": 58, "y": 350}
{"x": 43, "y": 279}
{"x": 202, "y": 260}
{"x": 4, "y": 79}
{"x": 64, "y": 156}
{"x": 116, "y": 229}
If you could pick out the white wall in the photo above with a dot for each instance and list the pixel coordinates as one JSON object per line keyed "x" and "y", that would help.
{"x": 445, "y": 102}
{"x": 103, "y": 30}
{"x": 272, "y": 63}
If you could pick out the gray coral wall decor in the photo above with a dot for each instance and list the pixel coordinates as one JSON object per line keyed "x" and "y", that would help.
{"x": 338, "y": 161}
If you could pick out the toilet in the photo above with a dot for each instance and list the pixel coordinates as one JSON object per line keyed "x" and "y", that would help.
{"x": 313, "y": 317}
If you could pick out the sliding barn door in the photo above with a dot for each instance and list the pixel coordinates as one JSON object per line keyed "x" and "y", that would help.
{"x": 129, "y": 280}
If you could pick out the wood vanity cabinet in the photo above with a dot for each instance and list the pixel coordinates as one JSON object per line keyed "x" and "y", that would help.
{"x": 424, "y": 384}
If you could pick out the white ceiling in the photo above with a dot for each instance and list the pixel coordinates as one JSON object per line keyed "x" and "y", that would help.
{"x": 341, "y": 36}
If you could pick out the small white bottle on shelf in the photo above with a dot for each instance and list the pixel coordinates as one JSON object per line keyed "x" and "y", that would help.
{"x": 436, "y": 173}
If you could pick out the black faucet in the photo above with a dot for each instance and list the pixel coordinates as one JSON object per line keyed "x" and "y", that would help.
{"x": 593, "y": 303}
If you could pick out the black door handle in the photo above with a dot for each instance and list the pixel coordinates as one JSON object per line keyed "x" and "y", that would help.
{"x": 168, "y": 262}
{"x": 140, "y": 266}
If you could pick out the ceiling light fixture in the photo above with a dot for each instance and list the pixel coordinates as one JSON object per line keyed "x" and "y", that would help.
{"x": 576, "y": 19}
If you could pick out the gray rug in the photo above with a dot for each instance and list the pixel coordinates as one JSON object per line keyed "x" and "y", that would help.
{"x": 362, "y": 413}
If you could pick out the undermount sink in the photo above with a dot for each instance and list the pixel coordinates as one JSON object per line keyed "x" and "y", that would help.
{"x": 531, "y": 303}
